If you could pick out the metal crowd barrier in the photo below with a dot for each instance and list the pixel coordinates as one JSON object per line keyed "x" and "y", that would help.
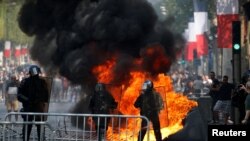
{"x": 72, "y": 127}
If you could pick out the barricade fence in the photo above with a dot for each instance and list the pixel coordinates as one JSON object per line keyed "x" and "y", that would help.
{"x": 71, "y": 127}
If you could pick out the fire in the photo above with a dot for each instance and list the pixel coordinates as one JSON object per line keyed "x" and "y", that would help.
{"x": 176, "y": 105}
{"x": 104, "y": 72}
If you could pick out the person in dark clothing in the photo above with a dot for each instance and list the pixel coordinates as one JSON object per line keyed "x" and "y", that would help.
{"x": 242, "y": 94}
{"x": 239, "y": 97}
{"x": 246, "y": 119}
{"x": 101, "y": 102}
{"x": 214, "y": 94}
{"x": 223, "y": 104}
{"x": 150, "y": 104}
{"x": 33, "y": 93}
{"x": 238, "y": 101}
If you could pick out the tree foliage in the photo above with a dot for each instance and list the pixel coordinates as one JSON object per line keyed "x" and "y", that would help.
{"x": 9, "y": 29}
{"x": 179, "y": 11}
{"x": 182, "y": 12}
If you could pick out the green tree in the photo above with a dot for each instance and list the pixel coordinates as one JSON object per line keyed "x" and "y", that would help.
{"x": 2, "y": 19}
{"x": 182, "y": 12}
{"x": 9, "y": 29}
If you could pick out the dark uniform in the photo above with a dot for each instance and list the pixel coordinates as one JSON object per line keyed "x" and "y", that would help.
{"x": 101, "y": 103}
{"x": 150, "y": 104}
{"x": 34, "y": 95}
{"x": 214, "y": 94}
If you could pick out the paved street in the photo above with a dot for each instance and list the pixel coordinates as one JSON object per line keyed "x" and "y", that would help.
{"x": 63, "y": 107}
{"x": 14, "y": 133}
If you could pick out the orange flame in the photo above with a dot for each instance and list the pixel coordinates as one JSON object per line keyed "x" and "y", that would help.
{"x": 176, "y": 105}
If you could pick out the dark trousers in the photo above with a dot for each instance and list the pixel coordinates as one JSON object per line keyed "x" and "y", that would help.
{"x": 28, "y": 127}
{"x": 153, "y": 117}
{"x": 242, "y": 112}
{"x": 101, "y": 126}
{"x": 214, "y": 115}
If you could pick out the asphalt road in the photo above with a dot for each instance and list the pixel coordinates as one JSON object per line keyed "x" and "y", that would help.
{"x": 14, "y": 134}
{"x": 55, "y": 107}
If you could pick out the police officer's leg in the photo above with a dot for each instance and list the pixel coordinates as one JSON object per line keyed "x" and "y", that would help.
{"x": 97, "y": 125}
{"x": 101, "y": 135}
{"x": 27, "y": 127}
{"x": 24, "y": 130}
{"x": 40, "y": 128}
{"x": 143, "y": 130}
{"x": 156, "y": 126}
{"x": 103, "y": 126}
{"x": 40, "y": 132}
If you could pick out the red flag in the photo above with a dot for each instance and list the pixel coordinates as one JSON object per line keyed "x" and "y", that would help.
{"x": 24, "y": 50}
{"x": 7, "y": 52}
{"x": 17, "y": 51}
{"x": 227, "y": 11}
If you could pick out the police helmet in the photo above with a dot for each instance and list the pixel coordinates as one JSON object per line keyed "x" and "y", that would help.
{"x": 147, "y": 85}
{"x": 99, "y": 87}
{"x": 34, "y": 70}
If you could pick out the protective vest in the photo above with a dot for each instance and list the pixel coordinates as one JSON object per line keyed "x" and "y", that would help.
{"x": 150, "y": 102}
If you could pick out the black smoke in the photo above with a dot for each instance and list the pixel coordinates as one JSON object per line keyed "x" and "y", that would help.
{"x": 74, "y": 36}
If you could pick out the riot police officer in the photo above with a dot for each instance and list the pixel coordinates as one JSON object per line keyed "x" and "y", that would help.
{"x": 33, "y": 93}
{"x": 150, "y": 104}
{"x": 101, "y": 102}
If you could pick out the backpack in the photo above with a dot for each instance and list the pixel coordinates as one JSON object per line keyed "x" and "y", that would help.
{"x": 158, "y": 101}
{"x": 152, "y": 102}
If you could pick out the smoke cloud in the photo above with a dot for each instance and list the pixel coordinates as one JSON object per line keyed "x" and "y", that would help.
{"x": 74, "y": 36}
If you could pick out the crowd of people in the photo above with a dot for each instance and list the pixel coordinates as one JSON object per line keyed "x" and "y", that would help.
{"x": 62, "y": 90}
{"x": 190, "y": 84}
{"x": 29, "y": 90}
{"x": 229, "y": 101}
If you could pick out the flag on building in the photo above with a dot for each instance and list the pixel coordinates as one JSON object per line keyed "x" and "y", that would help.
{"x": 7, "y": 49}
{"x": 17, "y": 52}
{"x": 201, "y": 27}
{"x": 227, "y": 11}
{"x": 185, "y": 36}
{"x": 24, "y": 50}
{"x": 191, "y": 42}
